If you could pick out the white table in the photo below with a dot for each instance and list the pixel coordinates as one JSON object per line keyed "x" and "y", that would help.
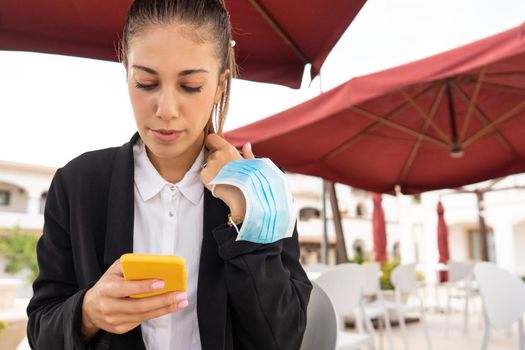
{"x": 313, "y": 275}
{"x": 16, "y": 313}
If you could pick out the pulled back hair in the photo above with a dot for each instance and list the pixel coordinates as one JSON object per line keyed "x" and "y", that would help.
{"x": 210, "y": 15}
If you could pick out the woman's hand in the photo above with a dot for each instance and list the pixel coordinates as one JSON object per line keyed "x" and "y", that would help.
{"x": 222, "y": 152}
{"x": 106, "y": 305}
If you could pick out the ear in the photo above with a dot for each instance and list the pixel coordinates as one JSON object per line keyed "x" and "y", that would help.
{"x": 222, "y": 85}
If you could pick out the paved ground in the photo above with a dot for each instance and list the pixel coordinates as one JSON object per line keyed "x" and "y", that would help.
{"x": 456, "y": 340}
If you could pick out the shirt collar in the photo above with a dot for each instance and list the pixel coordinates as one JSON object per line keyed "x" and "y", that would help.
{"x": 150, "y": 183}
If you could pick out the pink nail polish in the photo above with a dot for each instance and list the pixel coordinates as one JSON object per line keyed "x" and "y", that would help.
{"x": 182, "y": 304}
{"x": 157, "y": 285}
{"x": 181, "y": 297}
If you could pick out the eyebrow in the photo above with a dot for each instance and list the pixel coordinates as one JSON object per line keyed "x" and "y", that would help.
{"x": 181, "y": 74}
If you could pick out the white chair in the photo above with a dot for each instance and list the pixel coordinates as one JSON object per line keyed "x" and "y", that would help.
{"x": 404, "y": 280}
{"x": 344, "y": 284}
{"x": 317, "y": 267}
{"x": 314, "y": 270}
{"x": 321, "y": 322}
{"x": 460, "y": 286}
{"x": 322, "y": 329}
{"x": 503, "y": 296}
{"x": 376, "y": 309}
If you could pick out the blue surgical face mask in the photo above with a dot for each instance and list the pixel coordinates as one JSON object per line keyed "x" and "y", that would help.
{"x": 262, "y": 190}
{"x": 269, "y": 209}
{"x": 259, "y": 207}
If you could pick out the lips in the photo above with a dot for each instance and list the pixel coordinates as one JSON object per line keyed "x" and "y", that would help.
{"x": 165, "y": 131}
{"x": 166, "y": 135}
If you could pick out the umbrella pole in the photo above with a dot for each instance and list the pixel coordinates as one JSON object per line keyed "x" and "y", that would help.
{"x": 324, "y": 241}
{"x": 340, "y": 246}
{"x": 456, "y": 150}
{"x": 482, "y": 226}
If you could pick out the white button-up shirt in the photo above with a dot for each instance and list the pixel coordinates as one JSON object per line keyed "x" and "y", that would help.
{"x": 169, "y": 221}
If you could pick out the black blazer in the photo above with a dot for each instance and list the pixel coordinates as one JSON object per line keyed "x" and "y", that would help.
{"x": 250, "y": 296}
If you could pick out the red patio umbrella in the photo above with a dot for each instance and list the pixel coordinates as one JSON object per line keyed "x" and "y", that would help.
{"x": 275, "y": 38}
{"x": 444, "y": 121}
{"x": 442, "y": 240}
{"x": 379, "y": 230}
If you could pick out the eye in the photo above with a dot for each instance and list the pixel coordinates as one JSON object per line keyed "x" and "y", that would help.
{"x": 191, "y": 90}
{"x": 145, "y": 86}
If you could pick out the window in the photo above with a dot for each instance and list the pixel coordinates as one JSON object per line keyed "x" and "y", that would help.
{"x": 359, "y": 254}
{"x": 360, "y": 210}
{"x": 397, "y": 252}
{"x": 308, "y": 213}
{"x": 4, "y": 197}
{"x": 474, "y": 242}
{"x": 43, "y": 198}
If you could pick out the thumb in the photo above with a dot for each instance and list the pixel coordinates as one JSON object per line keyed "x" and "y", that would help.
{"x": 247, "y": 151}
{"x": 115, "y": 268}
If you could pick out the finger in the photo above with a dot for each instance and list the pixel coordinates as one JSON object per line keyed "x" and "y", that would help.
{"x": 122, "y": 328}
{"x": 115, "y": 268}
{"x": 162, "y": 311}
{"x": 215, "y": 142}
{"x": 144, "y": 305}
{"x": 247, "y": 151}
{"x": 138, "y": 310}
{"x": 123, "y": 288}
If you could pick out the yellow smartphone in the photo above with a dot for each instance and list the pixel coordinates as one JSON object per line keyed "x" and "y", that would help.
{"x": 169, "y": 268}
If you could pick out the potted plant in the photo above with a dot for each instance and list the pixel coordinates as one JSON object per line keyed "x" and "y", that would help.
{"x": 18, "y": 248}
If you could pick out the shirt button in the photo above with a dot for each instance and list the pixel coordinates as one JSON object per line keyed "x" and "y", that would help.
{"x": 171, "y": 214}
{"x": 172, "y": 188}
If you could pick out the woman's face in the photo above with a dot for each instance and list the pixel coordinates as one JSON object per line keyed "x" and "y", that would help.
{"x": 173, "y": 81}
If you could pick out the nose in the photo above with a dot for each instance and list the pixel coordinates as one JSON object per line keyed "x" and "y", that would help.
{"x": 167, "y": 105}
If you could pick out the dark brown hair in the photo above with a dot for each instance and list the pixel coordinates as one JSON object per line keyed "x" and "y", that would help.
{"x": 208, "y": 14}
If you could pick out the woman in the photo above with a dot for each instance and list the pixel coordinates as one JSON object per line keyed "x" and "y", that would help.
{"x": 152, "y": 195}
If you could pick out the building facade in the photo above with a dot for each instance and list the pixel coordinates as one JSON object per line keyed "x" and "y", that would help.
{"x": 411, "y": 220}
{"x": 412, "y": 223}
{"x": 23, "y": 192}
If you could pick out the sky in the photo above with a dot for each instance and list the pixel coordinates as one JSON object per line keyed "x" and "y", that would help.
{"x": 53, "y": 108}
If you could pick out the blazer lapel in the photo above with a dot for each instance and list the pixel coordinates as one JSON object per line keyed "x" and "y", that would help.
{"x": 212, "y": 299}
{"x": 119, "y": 228}
{"x": 120, "y": 215}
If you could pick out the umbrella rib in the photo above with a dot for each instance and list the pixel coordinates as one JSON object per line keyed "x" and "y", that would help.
{"x": 424, "y": 129}
{"x": 472, "y": 102}
{"x": 397, "y": 126}
{"x": 349, "y": 142}
{"x": 371, "y": 128}
{"x": 481, "y": 116}
{"x": 500, "y": 74}
{"x": 384, "y": 137}
{"x": 500, "y": 87}
{"x": 503, "y": 118}
{"x": 256, "y": 4}
{"x": 425, "y": 115}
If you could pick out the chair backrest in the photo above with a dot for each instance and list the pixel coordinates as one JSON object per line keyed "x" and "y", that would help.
{"x": 372, "y": 285}
{"x": 458, "y": 271}
{"x": 403, "y": 277}
{"x": 317, "y": 267}
{"x": 503, "y": 294}
{"x": 321, "y": 322}
{"x": 344, "y": 285}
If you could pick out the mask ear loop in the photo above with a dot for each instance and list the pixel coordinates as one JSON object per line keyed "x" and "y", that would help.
{"x": 209, "y": 129}
{"x": 232, "y": 223}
